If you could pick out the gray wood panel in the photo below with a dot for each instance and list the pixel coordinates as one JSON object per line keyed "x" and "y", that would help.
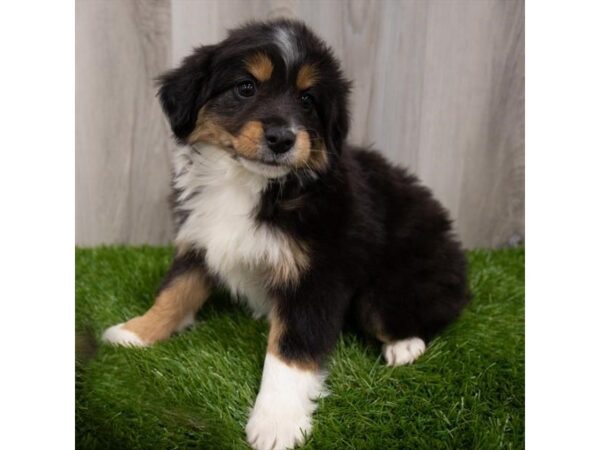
{"x": 438, "y": 87}
{"x": 122, "y": 139}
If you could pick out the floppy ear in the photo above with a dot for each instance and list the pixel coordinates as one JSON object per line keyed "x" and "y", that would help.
{"x": 184, "y": 90}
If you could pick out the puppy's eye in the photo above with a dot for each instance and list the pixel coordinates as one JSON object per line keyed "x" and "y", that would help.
{"x": 245, "y": 88}
{"x": 306, "y": 101}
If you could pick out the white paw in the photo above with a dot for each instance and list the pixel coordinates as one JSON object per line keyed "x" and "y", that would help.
{"x": 281, "y": 417}
{"x": 403, "y": 352}
{"x": 277, "y": 429}
{"x": 118, "y": 335}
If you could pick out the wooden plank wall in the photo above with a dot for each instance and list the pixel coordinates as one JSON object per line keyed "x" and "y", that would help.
{"x": 438, "y": 87}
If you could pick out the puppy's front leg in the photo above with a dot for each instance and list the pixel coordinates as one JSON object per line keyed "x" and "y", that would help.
{"x": 183, "y": 291}
{"x": 293, "y": 377}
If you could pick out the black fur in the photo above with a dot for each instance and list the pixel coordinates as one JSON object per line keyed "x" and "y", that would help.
{"x": 184, "y": 90}
{"x": 381, "y": 247}
{"x": 183, "y": 263}
{"x": 206, "y": 78}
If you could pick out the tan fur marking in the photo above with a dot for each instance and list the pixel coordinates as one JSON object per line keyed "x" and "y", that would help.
{"x": 248, "y": 142}
{"x": 307, "y": 156}
{"x": 382, "y": 337}
{"x": 294, "y": 263}
{"x": 318, "y": 159}
{"x": 307, "y": 77}
{"x": 184, "y": 296}
{"x": 302, "y": 153}
{"x": 276, "y": 331}
{"x": 373, "y": 324}
{"x": 260, "y": 66}
{"x": 209, "y": 131}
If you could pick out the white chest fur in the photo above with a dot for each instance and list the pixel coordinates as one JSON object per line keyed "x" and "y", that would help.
{"x": 222, "y": 196}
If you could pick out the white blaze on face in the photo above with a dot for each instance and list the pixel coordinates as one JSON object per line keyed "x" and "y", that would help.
{"x": 281, "y": 416}
{"x": 286, "y": 41}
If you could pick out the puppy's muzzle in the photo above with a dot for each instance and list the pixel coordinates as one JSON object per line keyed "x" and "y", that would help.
{"x": 279, "y": 139}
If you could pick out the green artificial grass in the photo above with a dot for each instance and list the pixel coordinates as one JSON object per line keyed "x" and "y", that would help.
{"x": 195, "y": 390}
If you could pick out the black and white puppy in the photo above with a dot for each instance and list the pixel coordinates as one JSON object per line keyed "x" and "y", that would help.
{"x": 312, "y": 233}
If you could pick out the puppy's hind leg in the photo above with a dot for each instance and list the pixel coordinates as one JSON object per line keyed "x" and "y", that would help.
{"x": 399, "y": 335}
{"x": 183, "y": 291}
{"x": 403, "y": 351}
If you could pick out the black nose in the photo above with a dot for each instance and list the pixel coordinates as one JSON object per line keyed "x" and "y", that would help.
{"x": 279, "y": 139}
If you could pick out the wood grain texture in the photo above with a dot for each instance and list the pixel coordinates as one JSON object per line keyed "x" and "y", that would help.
{"x": 438, "y": 87}
{"x": 122, "y": 139}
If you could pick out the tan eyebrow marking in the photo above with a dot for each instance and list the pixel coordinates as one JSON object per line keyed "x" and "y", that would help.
{"x": 307, "y": 77}
{"x": 260, "y": 66}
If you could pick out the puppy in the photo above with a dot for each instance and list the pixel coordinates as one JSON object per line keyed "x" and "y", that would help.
{"x": 271, "y": 202}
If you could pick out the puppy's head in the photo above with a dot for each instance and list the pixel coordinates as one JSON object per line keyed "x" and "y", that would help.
{"x": 272, "y": 94}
